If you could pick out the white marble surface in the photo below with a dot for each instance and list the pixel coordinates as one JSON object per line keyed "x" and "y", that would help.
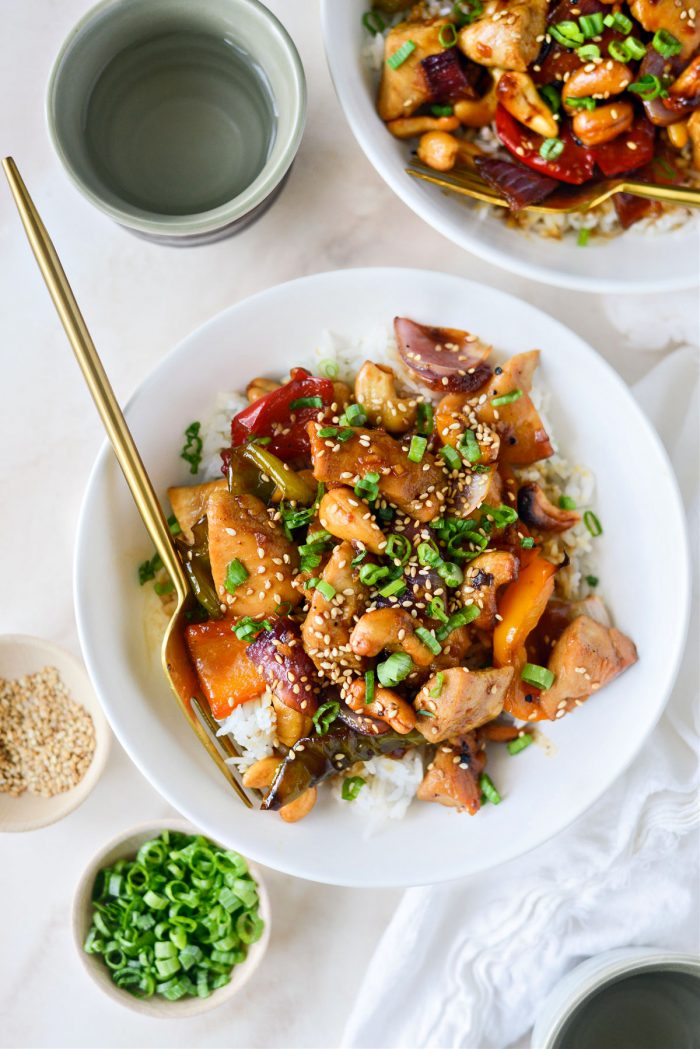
{"x": 139, "y": 300}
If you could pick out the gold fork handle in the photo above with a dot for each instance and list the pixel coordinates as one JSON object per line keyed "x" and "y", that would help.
{"x": 668, "y": 194}
{"x": 115, "y": 424}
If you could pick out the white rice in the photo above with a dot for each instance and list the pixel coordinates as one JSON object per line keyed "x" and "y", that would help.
{"x": 390, "y": 784}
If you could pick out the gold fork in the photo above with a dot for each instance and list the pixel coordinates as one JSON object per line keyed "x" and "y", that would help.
{"x": 174, "y": 656}
{"x": 469, "y": 183}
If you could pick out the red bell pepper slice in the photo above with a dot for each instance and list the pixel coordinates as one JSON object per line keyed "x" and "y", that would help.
{"x": 628, "y": 151}
{"x": 271, "y": 415}
{"x": 574, "y": 165}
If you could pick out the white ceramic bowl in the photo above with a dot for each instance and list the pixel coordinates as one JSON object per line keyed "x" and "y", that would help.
{"x": 596, "y": 422}
{"x": 21, "y": 655}
{"x": 630, "y": 263}
{"x": 125, "y": 846}
{"x": 578, "y": 987}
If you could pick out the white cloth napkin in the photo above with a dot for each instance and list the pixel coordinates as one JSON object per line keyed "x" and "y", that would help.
{"x": 468, "y": 963}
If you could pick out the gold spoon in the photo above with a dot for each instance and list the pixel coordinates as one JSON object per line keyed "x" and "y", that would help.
{"x": 174, "y": 656}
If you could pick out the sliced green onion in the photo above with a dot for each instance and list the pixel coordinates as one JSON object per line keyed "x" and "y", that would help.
{"x": 463, "y": 617}
{"x": 236, "y": 573}
{"x": 399, "y": 57}
{"x": 248, "y": 628}
{"x": 417, "y": 449}
{"x": 636, "y": 49}
{"x": 537, "y": 676}
{"x": 341, "y": 434}
{"x": 592, "y": 580}
{"x": 326, "y": 590}
{"x": 527, "y": 542}
{"x": 352, "y": 787}
{"x": 354, "y": 415}
{"x": 429, "y": 640}
{"x": 619, "y": 22}
{"x": 566, "y": 502}
{"x": 306, "y": 402}
{"x": 592, "y": 523}
{"x": 164, "y": 588}
{"x": 551, "y": 148}
{"x": 393, "y": 589}
{"x": 453, "y": 460}
{"x": 583, "y": 235}
{"x": 469, "y": 447}
{"x": 359, "y": 558}
{"x": 436, "y": 690}
{"x": 371, "y": 574}
{"x": 647, "y": 87}
{"x": 428, "y": 554}
{"x": 585, "y": 102}
{"x": 373, "y": 22}
{"x": 425, "y": 415}
{"x": 566, "y": 33}
{"x": 442, "y": 111}
{"x": 625, "y": 50}
{"x": 551, "y": 96}
{"x": 425, "y": 713}
{"x": 588, "y": 53}
{"x": 325, "y": 716}
{"x": 369, "y": 686}
{"x": 451, "y": 573}
{"x": 192, "y": 449}
{"x": 521, "y": 743}
{"x": 666, "y": 43}
{"x": 329, "y": 368}
{"x": 398, "y": 548}
{"x": 488, "y": 789}
{"x": 394, "y": 669}
{"x": 368, "y": 487}
{"x": 591, "y": 25}
{"x": 447, "y": 35}
{"x": 464, "y": 12}
{"x": 514, "y": 395}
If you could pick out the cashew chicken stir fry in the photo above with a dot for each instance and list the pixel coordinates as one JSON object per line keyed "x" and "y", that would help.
{"x": 372, "y": 560}
{"x": 574, "y": 90}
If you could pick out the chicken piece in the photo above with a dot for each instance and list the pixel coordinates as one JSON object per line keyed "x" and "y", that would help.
{"x": 452, "y": 777}
{"x": 694, "y": 134}
{"x": 524, "y": 439}
{"x": 454, "y": 650}
{"x": 240, "y": 529}
{"x": 508, "y": 36}
{"x": 587, "y": 656}
{"x": 416, "y": 488}
{"x": 328, "y": 625}
{"x": 404, "y": 90}
{"x": 386, "y": 705}
{"x": 391, "y": 630}
{"x": 482, "y": 579}
{"x": 461, "y": 700}
{"x": 673, "y": 16}
{"x": 189, "y": 504}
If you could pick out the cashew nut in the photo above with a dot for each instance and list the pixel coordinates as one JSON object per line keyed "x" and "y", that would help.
{"x": 295, "y": 810}
{"x": 412, "y": 127}
{"x": 257, "y": 388}
{"x": 441, "y": 151}
{"x": 694, "y": 134}
{"x": 678, "y": 134}
{"x": 517, "y": 93}
{"x": 392, "y": 629}
{"x": 346, "y": 517}
{"x": 291, "y": 725}
{"x": 341, "y": 395}
{"x": 375, "y": 390}
{"x": 479, "y": 112}
{"x": 595, "y": 126}
{"x": 596, "y": 81}
{"x": 386, "y": 705}
{"x": 261, "y": 773}
{"x": 687, "y": 85}
{"x": 484, "y": 576}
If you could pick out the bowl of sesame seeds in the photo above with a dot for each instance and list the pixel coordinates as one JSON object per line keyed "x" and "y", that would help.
{"x": 54, "y": 738}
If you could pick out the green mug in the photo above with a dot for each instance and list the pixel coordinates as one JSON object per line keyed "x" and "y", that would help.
{"x": 179, "y": 120}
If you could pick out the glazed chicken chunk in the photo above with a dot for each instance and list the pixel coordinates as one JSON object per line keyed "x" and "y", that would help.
{"x": 458, "y": 700}
{"x": 452, "y": 776}
{"x": 328, "y": 625}
{"x": 508, "y": 36}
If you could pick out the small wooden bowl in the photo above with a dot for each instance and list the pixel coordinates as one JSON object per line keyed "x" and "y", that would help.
{"x": 125, "y": 847}
{"x": 21, "y": 655}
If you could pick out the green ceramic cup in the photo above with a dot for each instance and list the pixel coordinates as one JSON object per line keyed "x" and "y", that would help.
{"x": 178, "y": 119}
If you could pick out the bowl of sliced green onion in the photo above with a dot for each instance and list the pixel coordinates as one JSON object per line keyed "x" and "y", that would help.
{"x": 169, "y": 923}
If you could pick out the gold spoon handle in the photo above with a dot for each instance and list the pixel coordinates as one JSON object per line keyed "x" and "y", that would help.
{"x": 657, "y": 191}
{"x": 95, "y": 376}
